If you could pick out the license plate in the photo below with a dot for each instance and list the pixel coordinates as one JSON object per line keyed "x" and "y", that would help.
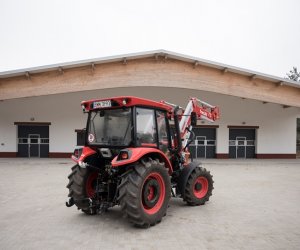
{"x": 102, "y": 104}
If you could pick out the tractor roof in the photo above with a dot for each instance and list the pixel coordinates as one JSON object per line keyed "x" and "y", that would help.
{"x": 123, "y": 101}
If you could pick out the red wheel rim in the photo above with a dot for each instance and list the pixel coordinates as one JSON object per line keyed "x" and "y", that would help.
{"x": 154, "y": 191}
{"x": 200, "y": 187}
{"x": 91, "y": 183}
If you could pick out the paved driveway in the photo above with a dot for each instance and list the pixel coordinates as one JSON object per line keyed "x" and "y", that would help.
{"x": 255, "y": 205}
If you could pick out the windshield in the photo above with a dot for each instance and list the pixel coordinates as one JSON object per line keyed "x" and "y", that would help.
{"x": 110, "y": 127}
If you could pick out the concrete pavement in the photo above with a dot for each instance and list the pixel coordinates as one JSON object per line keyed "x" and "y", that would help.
{"x": 255, "y": 205}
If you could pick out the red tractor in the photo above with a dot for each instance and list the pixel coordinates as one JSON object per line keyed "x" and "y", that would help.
{"x": 136, "y": 156}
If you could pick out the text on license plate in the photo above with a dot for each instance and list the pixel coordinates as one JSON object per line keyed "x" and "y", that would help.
{"x": 102, "y": 104}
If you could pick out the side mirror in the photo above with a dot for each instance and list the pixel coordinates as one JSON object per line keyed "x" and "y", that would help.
{"x": 193, "y": 119}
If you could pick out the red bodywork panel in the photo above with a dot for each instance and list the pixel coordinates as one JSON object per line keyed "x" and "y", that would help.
{"x": 86, "y": 151}
{"x": 127, "y": 101}
{"x": 137, "y": 154}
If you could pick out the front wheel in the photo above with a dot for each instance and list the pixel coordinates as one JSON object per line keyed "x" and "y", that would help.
{"x": 144, "y": 193}
{"x": 199, "y": 187}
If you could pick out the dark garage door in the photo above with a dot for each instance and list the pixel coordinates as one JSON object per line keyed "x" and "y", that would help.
{"x": 204, "y": 145}
{"x": 33, "y": 141}
{"x": 242, "y": 143}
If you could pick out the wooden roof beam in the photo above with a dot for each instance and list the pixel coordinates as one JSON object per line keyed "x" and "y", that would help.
{"x": 60, "y": 70}
{"x": 225, "y": 70}
{"x": 27, "y": 75}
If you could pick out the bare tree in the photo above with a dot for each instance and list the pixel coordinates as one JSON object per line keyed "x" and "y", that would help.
{"x": 294, "y": 75}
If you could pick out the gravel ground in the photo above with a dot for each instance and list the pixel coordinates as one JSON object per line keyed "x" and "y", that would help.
{"x": 255, "y": 205}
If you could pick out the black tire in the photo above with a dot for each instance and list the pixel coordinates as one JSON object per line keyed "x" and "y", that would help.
{"x": 78, "y": 190}
{"x": 199, "y": 187}
{"x": 145, "y": 192}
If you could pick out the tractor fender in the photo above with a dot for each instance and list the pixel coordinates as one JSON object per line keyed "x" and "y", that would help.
{"x": 135, "y": 154}
{"x": 184, "y": 176}
{"x": 86, "y": 151}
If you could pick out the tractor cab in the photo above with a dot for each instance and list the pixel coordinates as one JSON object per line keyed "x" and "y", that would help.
{"x": 127, "y": 122}
{"x": 128, "y": 127}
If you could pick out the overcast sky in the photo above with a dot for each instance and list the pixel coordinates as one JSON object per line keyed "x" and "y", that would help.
{"x": 261, "y": 35}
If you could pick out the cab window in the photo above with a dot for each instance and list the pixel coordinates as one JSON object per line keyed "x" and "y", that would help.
{"x": 162, "y": 131}
{"x": 145, "y": 128}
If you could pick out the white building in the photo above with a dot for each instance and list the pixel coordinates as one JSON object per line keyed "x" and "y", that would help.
{"x": 41, "y": 114}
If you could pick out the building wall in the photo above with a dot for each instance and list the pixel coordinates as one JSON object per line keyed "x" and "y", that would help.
{"x": 276, "y": 133}
{"x": 149, "y": 72}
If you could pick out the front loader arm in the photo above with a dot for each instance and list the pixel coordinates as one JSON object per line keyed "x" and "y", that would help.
{"x": 202, "y": 111}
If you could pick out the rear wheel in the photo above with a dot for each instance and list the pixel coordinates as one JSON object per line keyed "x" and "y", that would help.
{"x": 199, "y": 187}
{"x": 144, "y": 193}
{"x": 82, "y": 185}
